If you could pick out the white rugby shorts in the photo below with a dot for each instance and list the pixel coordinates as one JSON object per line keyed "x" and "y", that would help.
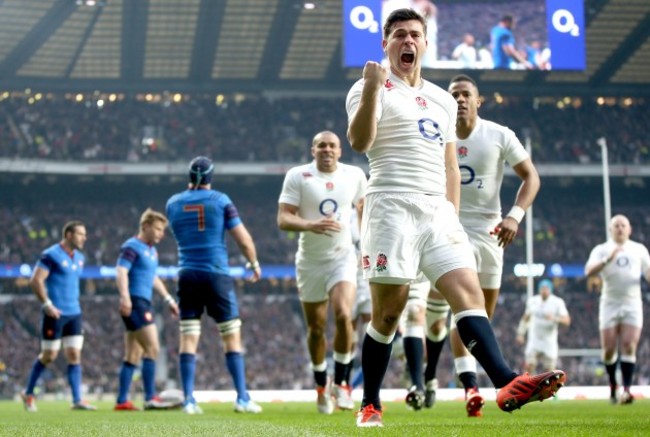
{"x": 403, "y": 233}
{"x": 316, "y": 278}
{"x": 613, "y": 312}
{"x": 489, "y": 257}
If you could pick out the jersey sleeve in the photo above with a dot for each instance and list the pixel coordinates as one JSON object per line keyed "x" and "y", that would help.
{"x": 291, "y": 188}
{"x": 46, "y": 262}
{"x": 562, "y": 309}
{"x": 596, "y": 256}
{"x": 230, "y": 213}
{"x": 645, "y": 260}
{"x": 514, "y": 152}
{"x": 127, "y": 257}
{"x": 354, "y": 98}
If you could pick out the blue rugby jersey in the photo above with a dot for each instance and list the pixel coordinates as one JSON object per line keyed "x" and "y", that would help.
{"x": 63, "y": 281}
{"x": 141, "y": 260}
{"x": 198, "y": 220}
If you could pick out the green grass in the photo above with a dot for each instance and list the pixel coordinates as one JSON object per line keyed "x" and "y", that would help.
{"x": 551, "y": 418}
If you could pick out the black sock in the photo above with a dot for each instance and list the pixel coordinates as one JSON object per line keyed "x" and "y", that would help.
{"x": 320, "y": 378}
{"x": 340, "y": 371}
{"x": 348, "y": 372}
{"x": 469, "y": 380}
{"x": 434, "y": 349}
{"x": 478, "y": 336}
{"x": 627, "y": 372}
{"x": 611, "y": 372}
{"x": 414, "y": 351}
{"x": 374, "y": 362}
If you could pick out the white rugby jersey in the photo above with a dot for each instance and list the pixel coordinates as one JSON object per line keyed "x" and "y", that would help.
{"x": 414, "y": 126}
{"x": 481, "y": 158}
{"x": 542, "y": 333}
{"x": 622, "y": 276}
{"x": 317, "y": 194}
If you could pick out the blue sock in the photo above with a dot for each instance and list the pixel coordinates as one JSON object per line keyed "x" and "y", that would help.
{"x": 358, "y": 378}
{"x": 74, "y": 379}
{"x": 237, "y": 369}
{"x": 37, "y": 369}
{"x": 149, "y": 378}
{"x": 188, "y": 367}
{"x": 126, "y": 375}
{"x": 478, "y": 336}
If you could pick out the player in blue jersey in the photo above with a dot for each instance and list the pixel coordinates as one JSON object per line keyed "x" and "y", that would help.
{"x": 136, "y": 279}
{"x": 503, "y": 45}
{"x": 55, "y": 281}
{"x": 199, "y": 218}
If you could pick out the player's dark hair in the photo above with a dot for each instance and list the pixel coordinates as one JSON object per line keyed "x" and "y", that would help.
{"x": 399, "y": 15}
{"x": 507, "y": 18}
{"x": 463, "y": 78}
{"x": 71, "y": 226}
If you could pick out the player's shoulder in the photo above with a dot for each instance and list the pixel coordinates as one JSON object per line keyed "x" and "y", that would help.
{"x": 301, "y": 171}
{"x": 494, "y": 128}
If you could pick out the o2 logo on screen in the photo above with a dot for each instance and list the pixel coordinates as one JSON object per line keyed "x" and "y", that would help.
{"x": 564, "y": 22}
{"x": 363, "y": 18}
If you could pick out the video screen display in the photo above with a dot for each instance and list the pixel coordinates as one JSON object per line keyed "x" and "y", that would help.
{"x": 476, "y": 34}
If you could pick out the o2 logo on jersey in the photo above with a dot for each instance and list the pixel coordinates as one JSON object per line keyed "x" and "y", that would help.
{"x": 467, "y": 174}
{"x": 430, "y": 130}
{"x": 622, "y": 261}
{"x": 329, "y": 208}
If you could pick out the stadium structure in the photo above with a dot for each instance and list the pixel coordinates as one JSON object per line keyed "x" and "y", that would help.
{"x": 98, "y": 97}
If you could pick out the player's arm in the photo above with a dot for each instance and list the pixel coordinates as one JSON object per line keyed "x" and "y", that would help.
{"x": 522, "y": 328}
{"x": 122, "y": 282}
{"x": 247, "y": 247}
{"x": 595, "y": 265}
{"x": 530, "y": 183}
{"x": 289, "y": 220}
{"x": 161, "y": 289}
{"x": 516, "y": 55}
{"x": 453, "y": 175}
{"x": 362, "y": 129}
{"x": 563, "y": 319}
{"x": 37, "y": 283}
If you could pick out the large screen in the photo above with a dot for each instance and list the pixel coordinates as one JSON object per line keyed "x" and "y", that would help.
{"x": 476, "y": 34}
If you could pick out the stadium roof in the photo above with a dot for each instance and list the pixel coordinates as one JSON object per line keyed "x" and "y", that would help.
{"x": 262, "y": 45}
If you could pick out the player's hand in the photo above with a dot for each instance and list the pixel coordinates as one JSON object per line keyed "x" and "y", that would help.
{"x": 125, "y": 306}
{"x": 52, "y": 311}
{"x": 615, "y": 252}
{"x": 374, "y": 74}
{"x": 506, "y": 231}
{"x": 520, "y": 339}
{"x": 256, "y": 276}
{"x": 173, "y": 308}
{"x": 325, "y": 226}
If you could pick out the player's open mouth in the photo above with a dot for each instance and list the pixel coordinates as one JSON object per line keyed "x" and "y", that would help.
{"x": 408, "y": 58}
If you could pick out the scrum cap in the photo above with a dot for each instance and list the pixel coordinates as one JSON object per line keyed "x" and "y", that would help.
{"x": 545, "y": 283}
{"x": 201, "y": 169}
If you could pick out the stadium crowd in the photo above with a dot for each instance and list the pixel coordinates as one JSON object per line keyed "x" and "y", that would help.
{"x": 279, "y": 130}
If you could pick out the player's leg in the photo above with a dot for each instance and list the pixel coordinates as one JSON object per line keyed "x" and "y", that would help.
{"x": 388, "y": 302}
{"x": 629, "y": 338}
{"x": 51, "y": 331}
{"x": 342, "y": 299}
{"x": 191, "y": 285}
{"x": 147, "y": 338}
{"x": 364, "y": 319}
{"x": 132, "y": 355}
{"x": 413, "y": 341}
{"x": 448, "y": 262}
{"x": 608, "y": 326}
{"x": 72, "y": 341}
{"x": 436, "y": 323}
{"x": 316, "y": 320}
{"x": 224, "y": 309}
